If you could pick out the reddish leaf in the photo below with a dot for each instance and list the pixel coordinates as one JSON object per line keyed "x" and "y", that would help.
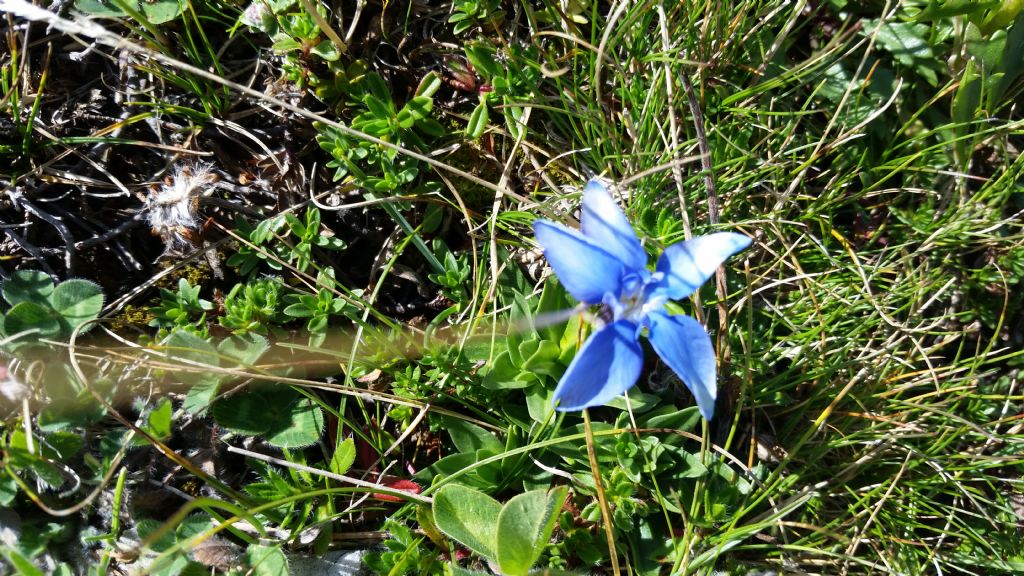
{"x": 395, "y": 484}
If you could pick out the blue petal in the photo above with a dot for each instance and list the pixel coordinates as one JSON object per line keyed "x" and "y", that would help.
{"x": 689, "y": 264}
{"x": 608, "y": 364}
{"x": 587, "y": 271}
{"x": 605, "y": 224}
{"x": 686, "y": 347}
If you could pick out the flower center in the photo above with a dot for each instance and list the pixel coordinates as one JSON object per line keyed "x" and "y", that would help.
{"x": 636, "y": 300}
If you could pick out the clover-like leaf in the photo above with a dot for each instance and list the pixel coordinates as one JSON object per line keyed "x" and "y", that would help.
{"x": 77, "y": 301}
{"x": 301, "y": 425}
{"x": 28, "y": 315}
{"x": 28, "y": 286}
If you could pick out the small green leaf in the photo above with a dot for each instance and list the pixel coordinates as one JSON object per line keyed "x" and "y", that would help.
{"x": 514, "y": 119}
{"x": 266, "y": 561}
{"x": 299, "y": 310}
{"x": 543, "y": 359}
{"x": 62, "y": 445}
{"x": 429, "y": 85}
{"x": 1000, "y": 17}
{"x": 285, "y": 44}
{"x": 317, "y": 324}
{"x": 685, "y": 419}
{"x": 28, "y": 286}
{"x": 539, "y": 403}
{"x": 694, "y": 467}
{"x": 98, "y": 8}
{"x": 431, "y": 127}
{"x": 524, "y": 527}
{"x": 344, "y": 456}
{"x": 478, "y": 120}
{"x": 296, "y": 225}
{"x": 941, "y": 9}
{"x": 28, "y": 315}
{"x": 159, "y": 422}
{"x": 8, "y": 489}
{"x": 326, "y": 50}
{"x": 469, "y": 437}
{"x": 377, "y": 107}
{"x": 468, "y": 516}
{"x": 247, "y": 413}
{"x": 161, "y": 11}
{"x": 416, "y": 109}
{"x": 244, "y": 348}
{"x": 265, "y": 229}
{"x": 22, "y": 565}
{"x": 483, "y": 59}
{"x": 503, "y": 374}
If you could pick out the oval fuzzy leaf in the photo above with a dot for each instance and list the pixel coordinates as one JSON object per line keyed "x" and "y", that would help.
{"x": 78, "y": 301}
{"x": 98, "y": 8}
{"x": 467, "y": 516}
{"x": 248, "y": 412}
{"x": 524, "y": 527}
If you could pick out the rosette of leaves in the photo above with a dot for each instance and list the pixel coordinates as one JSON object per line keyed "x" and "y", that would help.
{"x": 510, "y": 85}
{"x": 181, "y": 309}
{"x": 456, "y": 272}
{"x": 253, "y": 306}
{"x": 40, "y": 309}
{"x": 375, "y": 167}
{"x": 283, "y": 238}
{"x": 468, "y": 13}
{"x": 318, "y": 308}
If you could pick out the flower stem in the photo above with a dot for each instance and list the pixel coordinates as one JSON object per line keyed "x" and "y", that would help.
{"x": 606, "y": 512}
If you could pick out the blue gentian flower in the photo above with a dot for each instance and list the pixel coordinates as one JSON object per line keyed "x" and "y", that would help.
{"x": 605, "y": 264}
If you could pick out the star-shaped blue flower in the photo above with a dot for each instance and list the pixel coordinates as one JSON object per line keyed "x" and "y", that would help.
{"x": 605, "y": 264}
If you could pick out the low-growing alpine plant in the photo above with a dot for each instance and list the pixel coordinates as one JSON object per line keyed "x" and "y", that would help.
{"x": 604, "y": 264}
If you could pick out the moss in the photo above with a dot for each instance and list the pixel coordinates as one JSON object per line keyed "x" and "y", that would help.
{"x": 131, "y": 317}
{"x": 196, "y": 274}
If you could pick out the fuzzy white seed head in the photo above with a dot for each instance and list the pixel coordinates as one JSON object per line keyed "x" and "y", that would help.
{"x": 11, "y": 389}
{"x": 172, "y": 208}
